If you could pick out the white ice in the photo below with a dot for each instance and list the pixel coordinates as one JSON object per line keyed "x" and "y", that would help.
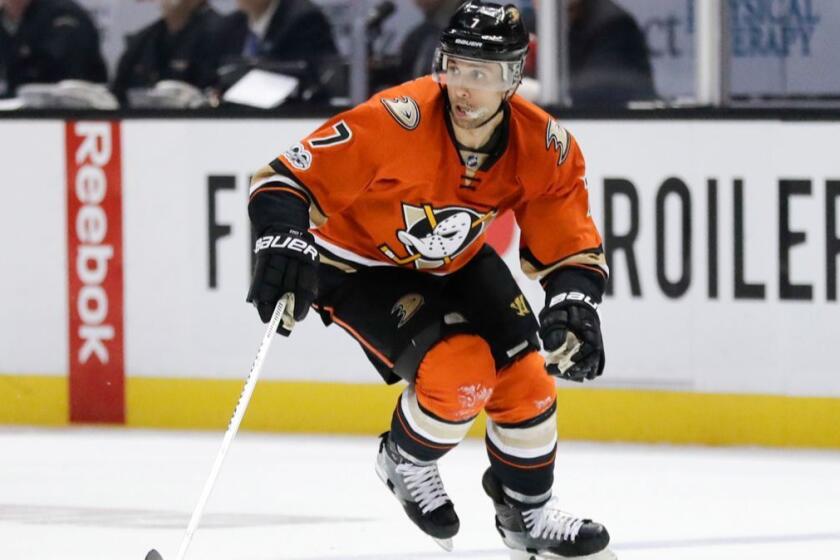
{"x": 83, "y": 494}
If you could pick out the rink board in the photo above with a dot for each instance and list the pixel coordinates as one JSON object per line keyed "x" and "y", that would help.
{"x": 307, "y": 407}
{"x": 720, "y": 327}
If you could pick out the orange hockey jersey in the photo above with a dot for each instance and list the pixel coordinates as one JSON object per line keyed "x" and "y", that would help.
{"x": 387, "y": 184}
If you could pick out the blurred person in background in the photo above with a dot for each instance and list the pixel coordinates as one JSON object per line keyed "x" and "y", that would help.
{"x": 178, "y": 46}
{"x": 46, "y": 41}
{"x": 609, "y": 62}
{"x": 418, "y": 48}
{"x": 266, "y": 31}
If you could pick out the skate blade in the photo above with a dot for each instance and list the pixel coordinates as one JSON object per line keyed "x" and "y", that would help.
{"x": 605, "y": 554}
{"x": 380, "y": 473}
{"x": 445, "y": 544}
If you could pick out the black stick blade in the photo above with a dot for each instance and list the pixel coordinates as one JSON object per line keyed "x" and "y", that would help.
{"x": 154, "y": 555}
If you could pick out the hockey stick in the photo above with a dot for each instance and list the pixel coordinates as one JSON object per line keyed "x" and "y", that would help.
{"x": 233, "y": 427}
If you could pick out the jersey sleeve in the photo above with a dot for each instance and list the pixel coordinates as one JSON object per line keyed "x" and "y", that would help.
{"x": 557, "y": 227}
{"x": 332, "y": 166}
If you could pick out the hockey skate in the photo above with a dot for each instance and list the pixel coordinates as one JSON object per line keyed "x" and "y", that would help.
{"x": 545, "y": 532}
{"x": 418, "y": 487}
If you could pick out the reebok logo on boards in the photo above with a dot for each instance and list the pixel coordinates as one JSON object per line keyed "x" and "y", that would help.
{"x": 95, "y": 271}
{"x": 94, "y": 251}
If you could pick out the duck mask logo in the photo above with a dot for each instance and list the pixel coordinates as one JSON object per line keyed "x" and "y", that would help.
{"x": 434, "y": 236}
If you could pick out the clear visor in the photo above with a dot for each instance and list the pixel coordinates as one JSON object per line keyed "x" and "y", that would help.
{"x": 469, "y": 73}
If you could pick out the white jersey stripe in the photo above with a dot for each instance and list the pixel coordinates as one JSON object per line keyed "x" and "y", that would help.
{"x": 347, "y": 254}
{"x": 428, "y": 427}
{"x": 352, "y": 257}
{"x": 525, "y": 443}
{"x": 278, "y": 179}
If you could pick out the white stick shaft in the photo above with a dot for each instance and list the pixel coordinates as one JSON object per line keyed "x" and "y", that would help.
{"x": 233, "y": 427}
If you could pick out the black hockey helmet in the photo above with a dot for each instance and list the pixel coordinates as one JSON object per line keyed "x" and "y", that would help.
{"x": 485, "y": 32}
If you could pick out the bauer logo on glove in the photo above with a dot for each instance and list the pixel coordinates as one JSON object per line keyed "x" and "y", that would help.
{"x": 286, "y": 266}
{"x": 286, "y": 241}
{"x": 571, "y": 333}
{"x": 573, "y": 296}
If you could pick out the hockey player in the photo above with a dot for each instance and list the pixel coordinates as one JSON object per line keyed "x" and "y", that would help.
{"x": 378, "y": 221}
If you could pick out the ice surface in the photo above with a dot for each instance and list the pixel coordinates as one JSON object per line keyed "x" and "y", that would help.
{"x": 82, "y": 494}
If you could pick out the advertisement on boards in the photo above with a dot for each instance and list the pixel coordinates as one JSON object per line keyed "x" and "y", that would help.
{"x": 722, "y": 238}
{"x": 95, "y": 272}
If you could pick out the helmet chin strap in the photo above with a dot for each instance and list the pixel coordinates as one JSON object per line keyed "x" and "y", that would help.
{"x": 493, "y": 116}
{"x": 498, "y": 110}
{"x": 501, "y": 107}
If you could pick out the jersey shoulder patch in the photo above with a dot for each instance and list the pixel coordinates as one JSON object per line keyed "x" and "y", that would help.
{"x": 558, "y": 137}
{"x": 404, "y": 110}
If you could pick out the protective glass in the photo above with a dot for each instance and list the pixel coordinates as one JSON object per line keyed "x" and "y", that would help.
{"x": 470, "y": 73}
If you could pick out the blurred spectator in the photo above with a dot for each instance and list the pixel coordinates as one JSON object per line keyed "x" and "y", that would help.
{"x": 418, "y": 48}
{"x": 46, "y": 41}
{"x": 262, "y": 32}
{"x": 178, "y": 46}
{"x": 609, "y": 63}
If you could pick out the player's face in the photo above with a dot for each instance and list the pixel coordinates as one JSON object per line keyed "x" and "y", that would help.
{"x": 253, "y": 6}
{"x": 428, "y": 6}
{"x": 169, "y": 6}
{"x": 14, "y": 7}
{"x": 472, "y": 103}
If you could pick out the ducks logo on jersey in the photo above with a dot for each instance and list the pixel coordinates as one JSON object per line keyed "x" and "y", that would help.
{"x": 406, "y": 307}
{"x": 404, "y": 110}
{"x": 558, "y": 137}
{"x": 434, "y": 236}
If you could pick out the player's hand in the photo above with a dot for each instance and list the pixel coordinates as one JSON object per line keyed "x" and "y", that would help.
{"x": 287, "y": 262}
{"x": 571, "y": 333}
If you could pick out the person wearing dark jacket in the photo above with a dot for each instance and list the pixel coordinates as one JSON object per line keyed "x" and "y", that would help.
{"x": 266, "y": 31}
{"x": 418, "y": 48}
{"x": 46, "y": 41}
{"x": 178, "y": 46}
{"x": 609, "y": 63}
{"x": 608, "y": 56}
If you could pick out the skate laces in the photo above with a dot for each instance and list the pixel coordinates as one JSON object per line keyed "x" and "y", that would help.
{"x": 425, "y": 485}
{"x": 550, "y": 522}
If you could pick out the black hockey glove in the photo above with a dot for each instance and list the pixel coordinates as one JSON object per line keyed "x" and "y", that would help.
{"x": 570, "y": 330}
{"x": 287, "y": 262}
